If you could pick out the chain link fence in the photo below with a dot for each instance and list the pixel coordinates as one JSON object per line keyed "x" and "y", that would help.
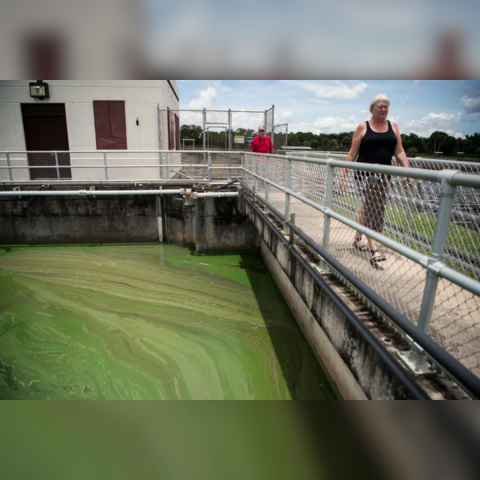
{"x": 281, "y": 135}
{"x": 407, "y": 214}
{"x": 213, "y": 130}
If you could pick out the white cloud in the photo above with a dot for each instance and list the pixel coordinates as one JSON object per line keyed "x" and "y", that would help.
{"x": 425, "y": 126}
{"x": 325, "y": 125}
{"x": 206, "y": 99}
{"x": 341, "y": 91}
{"x": 286, "y": 115}
{"x": 331, "y": 90}
{"x": 471, "y": 103}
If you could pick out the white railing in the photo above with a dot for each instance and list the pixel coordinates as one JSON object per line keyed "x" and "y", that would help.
{"x": 430, "y": 233}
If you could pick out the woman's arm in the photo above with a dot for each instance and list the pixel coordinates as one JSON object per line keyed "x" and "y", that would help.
{"x": 355, "y": 148}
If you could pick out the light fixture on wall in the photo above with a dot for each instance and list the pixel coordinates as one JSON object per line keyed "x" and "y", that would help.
{"x": 39, "y": 89}
{"x": 137, "y": 122}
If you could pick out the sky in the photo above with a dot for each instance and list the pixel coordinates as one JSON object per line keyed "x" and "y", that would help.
{"x": 334, "y": 106}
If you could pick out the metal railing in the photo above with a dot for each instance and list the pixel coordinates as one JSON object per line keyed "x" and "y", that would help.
{"x": 118, "y": 166}
{"x": 430, "y": 233}
{"x": 213, "y": 130}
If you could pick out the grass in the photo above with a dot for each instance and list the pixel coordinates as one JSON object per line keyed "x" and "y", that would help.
{"x": 463, "y": 239}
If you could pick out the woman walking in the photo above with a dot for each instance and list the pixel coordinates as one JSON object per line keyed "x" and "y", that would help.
{"x": 375, "y": 141}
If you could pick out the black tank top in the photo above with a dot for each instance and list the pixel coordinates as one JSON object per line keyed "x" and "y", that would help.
{"x": 377, "y": 147}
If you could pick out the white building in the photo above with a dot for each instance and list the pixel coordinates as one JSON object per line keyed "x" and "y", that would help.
{"x": 81, "y": 115}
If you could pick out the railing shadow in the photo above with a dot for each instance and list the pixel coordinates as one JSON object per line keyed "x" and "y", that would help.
{"x": 301, "y": 370}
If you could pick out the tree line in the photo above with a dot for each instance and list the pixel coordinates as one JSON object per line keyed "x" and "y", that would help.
{"x": 439, "y": 143}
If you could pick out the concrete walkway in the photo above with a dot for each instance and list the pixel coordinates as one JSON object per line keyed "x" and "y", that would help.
{"x": 455, "y": 321}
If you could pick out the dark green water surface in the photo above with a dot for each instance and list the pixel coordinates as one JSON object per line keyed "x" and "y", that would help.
{"x": 147, "y": 322}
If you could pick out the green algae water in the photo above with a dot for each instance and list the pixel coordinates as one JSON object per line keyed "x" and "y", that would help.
{"x": 148, "y": 322}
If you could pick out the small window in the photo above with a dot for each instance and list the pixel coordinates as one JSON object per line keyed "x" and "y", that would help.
{"x": 110, "y": 127}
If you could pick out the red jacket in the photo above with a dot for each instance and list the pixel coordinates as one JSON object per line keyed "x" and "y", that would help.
{"x": 264, "y": 145}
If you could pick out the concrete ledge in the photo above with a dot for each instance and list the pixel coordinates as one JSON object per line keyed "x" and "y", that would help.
{"x": 339, "y": 375}
{"x": 375, "y": 379}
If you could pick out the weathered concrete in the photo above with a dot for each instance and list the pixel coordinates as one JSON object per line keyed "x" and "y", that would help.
{"x": 179, "y": 226}
{"x": 114, "y": 219}
{"x": 222, "y": 228}
{"x": 339, "y": 375}
{"x": 212, "y": 225}
{"x": 369, "y": 372}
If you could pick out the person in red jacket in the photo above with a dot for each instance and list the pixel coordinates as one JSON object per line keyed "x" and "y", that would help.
{"x": 262, "y": 143}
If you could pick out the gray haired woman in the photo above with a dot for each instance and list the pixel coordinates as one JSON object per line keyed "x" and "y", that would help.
{"x": 375, "y": 141}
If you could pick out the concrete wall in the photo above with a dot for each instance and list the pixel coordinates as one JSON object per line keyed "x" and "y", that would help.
{"x": 221, "y": 228}
{"x": 216, "y": 226}
{"x": 354, "y": 368}
{"x": 78, "y": 219}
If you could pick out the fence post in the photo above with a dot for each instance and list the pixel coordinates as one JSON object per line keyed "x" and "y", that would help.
{"x": 288, "y": 183}
{"x": 229, "y": 129}
{"x": 438, "y": 248}
{"x": 273, "y": 123}
{"x": 415, "y": 358}
{"x": 105, "y": 165}
{"x": 9, "y": 167}
{"x": 267, "y": 164}
{"x": 56, "y": 164}
{"x": 204, "y": 126}
{"x": 328, "y": 204}
{"x": 166, "y": 167}
{"x": 209, "y": 157}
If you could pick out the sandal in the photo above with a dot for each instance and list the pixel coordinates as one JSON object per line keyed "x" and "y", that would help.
{"x": 377, "y": 257}
{"x": 358, "y": 245}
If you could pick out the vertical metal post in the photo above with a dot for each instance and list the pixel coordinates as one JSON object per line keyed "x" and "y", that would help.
{"x": 105, "y": 165}
{"x": 229, "y": 129}
{"x": 292, "y": 236}
{"x": 244, "y": 177}
{"x": 328, "y": 204}
{"x": 286, "y": 137}
{"x": 267, "y": 166}
{"x": 204, "y": 126}
{"x": 265, "y": 119}
{"x": 273, "y": 123}
{"x": 9, "y": 167}
{"x": 159, "y": 128}
{"x": 160, "y": 165}
{"x": 198, "y": 225}
{"x": 56, "y": 164}
{"x": 288, "y": 183}
{"x": 438, "y": 251}
{"x": 255, "y": 173}
{"x": 166, "y": 171}
{"x": 209, "y": 157}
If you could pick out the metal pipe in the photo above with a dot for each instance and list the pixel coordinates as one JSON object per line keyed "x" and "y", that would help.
{"x": 438, "y": 249}
{"x": 429, "y": 175}
{"x": 288, "y": 182}
{"x": 215, "y": 194}
{"x": 105, "y": 165}
{"x": 56, "y": 164}
{"x": 328, "y": 204}
{"x": 54, "y": 193}
{"x": 150, "y": 165}
{"x": 209, "y": 166}
{"x": 403, "y": 377}
{"x": 9, "y": 167}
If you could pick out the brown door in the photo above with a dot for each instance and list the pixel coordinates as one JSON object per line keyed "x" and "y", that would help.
{"x": 45, "y": 127}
